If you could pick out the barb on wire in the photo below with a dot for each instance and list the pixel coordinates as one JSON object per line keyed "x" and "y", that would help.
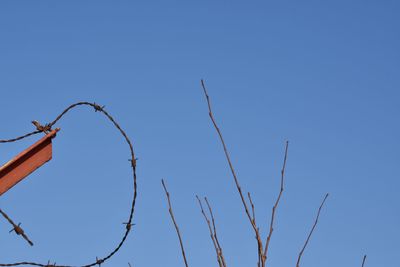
{"x": 363, "y": 261}
{"x": 42, "y": 128}
{"x": 171, "y": 213}
{"x": 51, "y": 264}
{"x": 128, "y": 225}
{"x": 16, "y": 228}
{"x": 47, "y": 127}
{"x": 213, "y": 232}
{"x": 98, "y": 107}
{"x": 312, "y": 230}
{"x": 99, "y": 261}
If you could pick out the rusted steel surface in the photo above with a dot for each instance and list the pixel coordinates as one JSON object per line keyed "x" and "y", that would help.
{"x": 26, "y": 162}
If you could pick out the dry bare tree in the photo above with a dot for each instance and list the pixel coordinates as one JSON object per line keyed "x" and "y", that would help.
{"x": 263, "y": 243}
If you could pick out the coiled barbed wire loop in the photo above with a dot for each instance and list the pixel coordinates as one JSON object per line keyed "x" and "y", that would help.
{"x": 128, "y": 227}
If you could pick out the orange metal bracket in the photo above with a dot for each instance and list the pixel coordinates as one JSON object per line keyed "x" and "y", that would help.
{"x": 26, "y": 162}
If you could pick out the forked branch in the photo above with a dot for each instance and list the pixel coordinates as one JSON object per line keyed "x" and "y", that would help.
{"x": 311, "y": 232}
{"x": 253, "y": 210}
{"x": 213, "y": 232}
{"x": 171, "y": 213}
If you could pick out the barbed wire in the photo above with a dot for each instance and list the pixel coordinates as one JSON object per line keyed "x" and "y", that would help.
{"x": 16, "y": 228}
{"x": 128, "y": 225}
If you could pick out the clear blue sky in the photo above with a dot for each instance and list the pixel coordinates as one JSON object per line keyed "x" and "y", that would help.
{"x": 322, "y": 74}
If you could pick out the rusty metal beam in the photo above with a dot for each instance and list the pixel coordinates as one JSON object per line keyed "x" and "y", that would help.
{"x": 26, "y": 162}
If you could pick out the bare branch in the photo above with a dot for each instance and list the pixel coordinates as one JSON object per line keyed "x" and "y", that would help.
{"x": 228, "y": 158}
{"x": 227, "y": 154}
{"x": 252, "y": 208}
{"x": 175, "y": 224}
{"x": 271, "y": 226}
{"x": 213, "y": 232}
{"x": 365, "y": 257}
{"x": 312, "y": 230}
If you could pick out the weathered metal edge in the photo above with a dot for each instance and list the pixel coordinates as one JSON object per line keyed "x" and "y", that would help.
{"x": 23, "y": 157}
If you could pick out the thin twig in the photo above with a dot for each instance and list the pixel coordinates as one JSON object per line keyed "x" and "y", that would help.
{"x": 271, "y": 226}
{"x": 210, "y": 230}
{"x": 171, "y": 213}
{"x": 312, "y": 230}
{"x": 228, "y": 158}
{"x": 363, "y": 261}
{"x": 226, "y": 154}
{"x": 253, "y": 212}
{"x": 215, "y": 232}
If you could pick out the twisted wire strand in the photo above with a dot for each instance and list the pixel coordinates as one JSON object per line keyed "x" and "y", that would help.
{"x": 98, "y": 261}
{"x": 19, "y": 137}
